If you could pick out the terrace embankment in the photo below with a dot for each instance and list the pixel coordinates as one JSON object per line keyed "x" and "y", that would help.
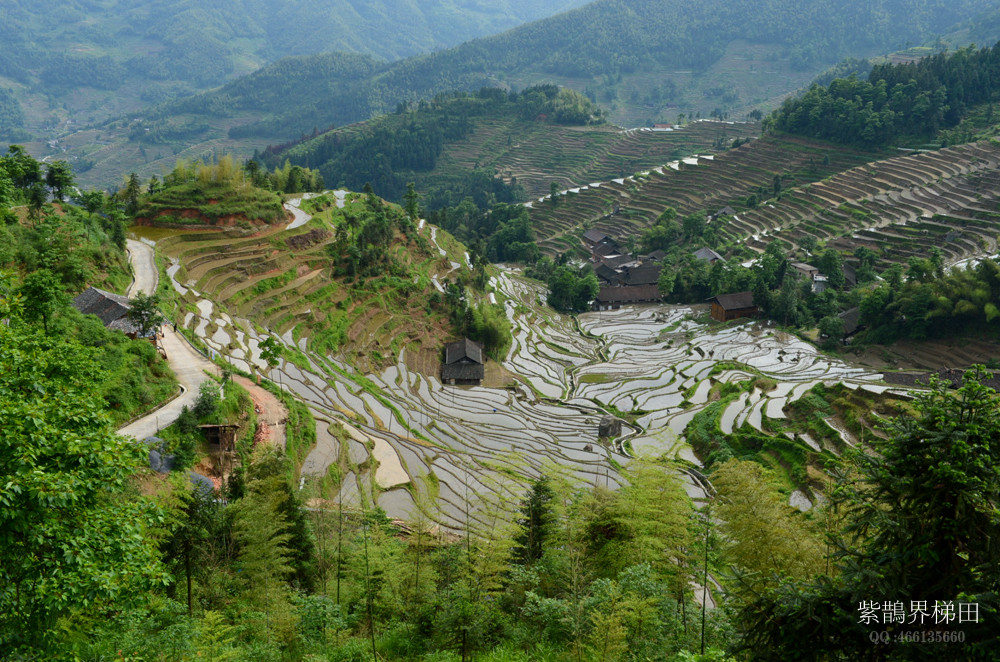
{"x": 627, "y": 204}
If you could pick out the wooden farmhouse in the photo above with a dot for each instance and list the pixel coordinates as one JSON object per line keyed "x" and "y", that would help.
{"x": 727, "y": 307}
{"x": 464, "y": 363}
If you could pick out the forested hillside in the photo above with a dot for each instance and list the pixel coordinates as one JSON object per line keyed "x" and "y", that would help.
{"x": 897, "y": 101}
{"x": 69, "y": 44}
{"x": 386, "y": 152}
{"x": 50, "y": 252}
{"x": 643, "y": 61}
{"x": 611, "y": 38}
{"x": 71, "y": 63}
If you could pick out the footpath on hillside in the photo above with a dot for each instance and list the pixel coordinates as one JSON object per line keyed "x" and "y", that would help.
{"x": 271, "y": 413}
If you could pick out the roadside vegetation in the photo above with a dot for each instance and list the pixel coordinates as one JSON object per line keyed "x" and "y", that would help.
{"x": 52, "y": 251}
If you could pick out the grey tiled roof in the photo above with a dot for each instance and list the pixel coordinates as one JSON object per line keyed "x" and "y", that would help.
{"x": 109, "y": 307}
{"x": 455, "y": 352}
{"x": 462, "y": 371}
{"x": 736, "y": 301}
{"x": 707, "y": 254}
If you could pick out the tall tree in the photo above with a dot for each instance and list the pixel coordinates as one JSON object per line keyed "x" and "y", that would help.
{"x": 922, "y": 529}
{"x": 72, "y": 536}
{"x": 131, "y": 194}
{"x": 264, "y": 558}
{"x": 764, "y": 536}
{"x": 145, "y": 314}
{"x": 43, "y": 295}
{"x": 536, "y": 520}
{"x": 59, "y": 178}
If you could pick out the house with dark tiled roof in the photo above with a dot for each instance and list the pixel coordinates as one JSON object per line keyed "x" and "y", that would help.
{"x": 708, "y": 255}
{"x": 726, "y": 307}
{"x": 612, "y": 298}
{"x": 806, "y": 270}
{"x": 646, "y": 274}
{"x": 594, "y": 237}
{"x": 616, "y": 262}
{"x": 852, "y": 319}
{"x": 112, "y": 309}
{"x": 464, "y": 363}
{"x": 657, "y": 256}
{"x": 605, "y": 250}
{"x": 850, "y": 276}
{"x": 606, "y": 274}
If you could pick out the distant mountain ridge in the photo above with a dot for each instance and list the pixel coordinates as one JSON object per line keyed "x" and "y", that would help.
{"x": 607, "y": 38}
{"x": 83, "y": 60}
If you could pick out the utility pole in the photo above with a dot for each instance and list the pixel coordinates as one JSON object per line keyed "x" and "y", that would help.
{"x": 704, "y": 588}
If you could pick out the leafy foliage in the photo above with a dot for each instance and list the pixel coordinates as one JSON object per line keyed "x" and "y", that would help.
{"x": 896, "y": 101}
{"x": 917, "y": 528}
{"x": 73, "y": 536}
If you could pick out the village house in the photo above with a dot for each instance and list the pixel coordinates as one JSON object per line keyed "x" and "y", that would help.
{"x": 646, "y": 274}
{"x": 726, "y": 307}
{"x": 112, "y": 309}
{"x": 612, "y": 298}
{"x": 656, "y": 256}
{"x": 852, "y": 319}
{"x": 708, "y": 255}
{"x": 464, "y": 363}
{"x": 595, "y": 237}
{"x": 725, "y": 211}
{"x": 806, "y": 270}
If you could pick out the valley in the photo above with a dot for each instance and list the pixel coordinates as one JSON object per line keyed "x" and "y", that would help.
{"x": 607, "y": 338}
{"x": 394, "y": 436}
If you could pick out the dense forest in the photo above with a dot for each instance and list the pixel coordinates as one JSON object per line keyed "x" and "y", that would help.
{"x": 386, "y": 151}
{"x": 604, "y": 39}
{"x": 897, "y": 101}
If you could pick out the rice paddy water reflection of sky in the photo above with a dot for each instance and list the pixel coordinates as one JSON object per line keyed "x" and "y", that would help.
{"x": 449, "y": 441}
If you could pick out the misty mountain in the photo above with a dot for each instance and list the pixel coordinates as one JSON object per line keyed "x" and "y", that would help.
{"x": 602, "y": 42}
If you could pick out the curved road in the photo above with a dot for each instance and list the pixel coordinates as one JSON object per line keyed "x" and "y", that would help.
{"x": 188, "y": 364}
{"x": 143, "y": 268}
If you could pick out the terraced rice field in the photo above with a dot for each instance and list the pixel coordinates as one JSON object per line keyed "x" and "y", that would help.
{"x": 409, "y": 438}
{"x": 907, "y": 205}
{"x": 537, "y": 155}
{"x": 625, "y": 205}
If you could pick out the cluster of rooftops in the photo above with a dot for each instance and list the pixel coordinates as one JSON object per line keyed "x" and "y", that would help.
{"x": 626, "y": 279}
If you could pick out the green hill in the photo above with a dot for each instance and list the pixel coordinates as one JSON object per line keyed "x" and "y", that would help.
{"x": 642, "y": 60}
{"x": 512, "y": 147}
{"x": 83, "y": 61}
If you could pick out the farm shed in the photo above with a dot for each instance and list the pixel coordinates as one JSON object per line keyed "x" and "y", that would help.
{"x": 726, "y": 307}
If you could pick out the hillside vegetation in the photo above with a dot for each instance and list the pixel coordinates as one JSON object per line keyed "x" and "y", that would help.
{"x": 491, "y": 143}
{"x": 216, "y": 194}
{"x": 50, "y": 252}
{"x": 897, "y": 101}
{"x": 86, "y": 60}
{"x": 618, "y": 37}
{"x": 644, "y": 61}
